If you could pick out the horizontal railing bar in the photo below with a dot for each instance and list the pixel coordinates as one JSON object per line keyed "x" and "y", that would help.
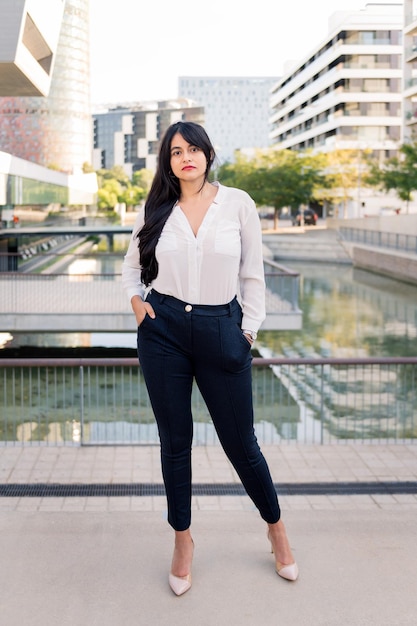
{"x": 257, "y": 361}
{"x": 335, "y": 361}
{"x": 282, "y": 268}
{"x": 69, "y": 362}
{"x": 26, "y": 275}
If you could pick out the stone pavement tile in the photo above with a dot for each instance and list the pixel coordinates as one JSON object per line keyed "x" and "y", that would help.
{"x": 364, "y": 474}
{"x": 384, "y": 500}
{"x": 207, "y": 503}
{"x": 19, "y": 477}
{"x": 142, "y": 503}
{"x": 320, "y": 503}
{"x": 99, "y": 503}
{"x": 119, "y": 503}
{"x": 235, "y": 503}
{"x": 51, "y": 504}
{"x": 74, "y": 503}
{"x": 8, "y": 504}
{"x": 81, "y": 477}
{"x": 294, "y": 503}
{"x": 405, "y": 498}
{"x": 340, "y": 503}
{"x": 159, "y": 503}
{"x": 362, "y": 501}
{"x": 27, "y": 504}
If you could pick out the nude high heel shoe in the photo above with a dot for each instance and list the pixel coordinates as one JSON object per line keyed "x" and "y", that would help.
{"x": 179, "y": 585}
{"x": 289, "y": 572}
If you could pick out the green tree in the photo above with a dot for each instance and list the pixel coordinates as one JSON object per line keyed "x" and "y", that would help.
{"x": 115, "y": 173}
{"x": 87, "y": 168}
{"x": 143, "y": 178}
{"x": 398, "y": 173}
{"x": 109, "y": 193}
{"x": 345, "y": 171}
{"x": 276, "y": 178}
{"x": 132, "y": 195}
{"x": 114, "y": 186}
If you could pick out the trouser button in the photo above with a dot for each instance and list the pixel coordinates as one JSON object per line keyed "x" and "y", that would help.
{"x": 188, "y": 308}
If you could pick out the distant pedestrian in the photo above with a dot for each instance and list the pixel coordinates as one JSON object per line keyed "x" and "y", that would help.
{"x": 194, "y": 274}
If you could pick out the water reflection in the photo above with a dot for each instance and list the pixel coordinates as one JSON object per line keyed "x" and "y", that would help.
{"x": 349, "y": 313}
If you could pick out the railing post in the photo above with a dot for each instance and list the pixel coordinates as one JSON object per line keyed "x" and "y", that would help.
{"x": 321, "y": 405}
{"x": 81, "y": 405}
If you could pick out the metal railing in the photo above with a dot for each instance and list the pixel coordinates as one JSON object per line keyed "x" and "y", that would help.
{"x": 282, "y": 285}
{"x": 396, "y": 241}
{"x": 104, "y": 401}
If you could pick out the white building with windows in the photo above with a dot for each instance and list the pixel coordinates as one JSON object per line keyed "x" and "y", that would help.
{"x": 347, "y": 92}
{"x": 236, "y": 110}
{"x": 410, "y": 70}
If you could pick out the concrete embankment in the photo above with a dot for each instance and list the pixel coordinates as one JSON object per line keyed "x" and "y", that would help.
{"x": 317, "y": 244}
{"x": 345, "y": 241}
{"x": 384, "y": 245}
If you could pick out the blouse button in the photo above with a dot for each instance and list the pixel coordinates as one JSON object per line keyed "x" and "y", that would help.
{"x": 188, "y": 308}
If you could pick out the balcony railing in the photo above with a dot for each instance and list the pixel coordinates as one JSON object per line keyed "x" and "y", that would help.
{"x": 380, "y": 239}
{"x": 104, "y": 401}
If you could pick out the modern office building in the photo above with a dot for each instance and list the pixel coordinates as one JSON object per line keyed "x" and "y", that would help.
{"x": 53, "y": 131}
{"x": 29, "y": 32}
{"x": 236, "y": 110}
{"x": 347, "y": 92}
{"x": 129, "y": 135}
{"x": 410, "y": 70}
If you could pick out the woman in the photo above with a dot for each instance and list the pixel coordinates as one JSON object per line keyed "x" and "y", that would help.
{"x": 197, "y": 290}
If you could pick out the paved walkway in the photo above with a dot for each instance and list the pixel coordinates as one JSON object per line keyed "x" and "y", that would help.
{"x": 103, "y": 561}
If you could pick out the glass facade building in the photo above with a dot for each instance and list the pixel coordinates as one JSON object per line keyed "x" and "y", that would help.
{"x": 57, "y": 130}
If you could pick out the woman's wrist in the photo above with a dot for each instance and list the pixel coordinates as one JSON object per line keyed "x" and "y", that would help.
{"x": 251, "y": 334}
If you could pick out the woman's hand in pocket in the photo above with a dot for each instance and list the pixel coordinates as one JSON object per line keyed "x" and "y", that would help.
{"x": 141, "y": 309}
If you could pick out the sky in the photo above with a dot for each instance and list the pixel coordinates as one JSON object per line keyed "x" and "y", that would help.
{"x": 139, "y": 48}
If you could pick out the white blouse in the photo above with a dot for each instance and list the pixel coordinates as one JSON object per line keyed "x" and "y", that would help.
{"x": 225, "y": 259}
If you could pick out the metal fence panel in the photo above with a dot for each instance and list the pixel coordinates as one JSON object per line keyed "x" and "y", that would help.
{"x": 104, "y": 401}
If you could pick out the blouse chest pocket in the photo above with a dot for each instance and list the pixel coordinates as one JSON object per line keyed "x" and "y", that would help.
{"x": 167, "y": 241}
{"x": 227, "y": 238}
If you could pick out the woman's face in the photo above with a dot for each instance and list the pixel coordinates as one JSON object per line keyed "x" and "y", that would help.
{"x": 188, "y": 163}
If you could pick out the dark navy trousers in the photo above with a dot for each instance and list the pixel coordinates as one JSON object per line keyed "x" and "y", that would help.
{"x": 188, "y": 342}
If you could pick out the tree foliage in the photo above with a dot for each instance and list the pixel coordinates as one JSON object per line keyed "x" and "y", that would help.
{"x": 398, "y": 173}
{"x": 276, "y": 178}
{"x": 346, "y": 170}
{"x": 115, "y": 186}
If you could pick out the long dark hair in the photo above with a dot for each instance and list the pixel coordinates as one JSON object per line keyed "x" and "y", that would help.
{"x": 165, "y": 192}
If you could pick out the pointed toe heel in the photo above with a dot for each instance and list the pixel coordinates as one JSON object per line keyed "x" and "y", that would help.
{"x": 179, "y": 585}
{"x": 289, "y": 572}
